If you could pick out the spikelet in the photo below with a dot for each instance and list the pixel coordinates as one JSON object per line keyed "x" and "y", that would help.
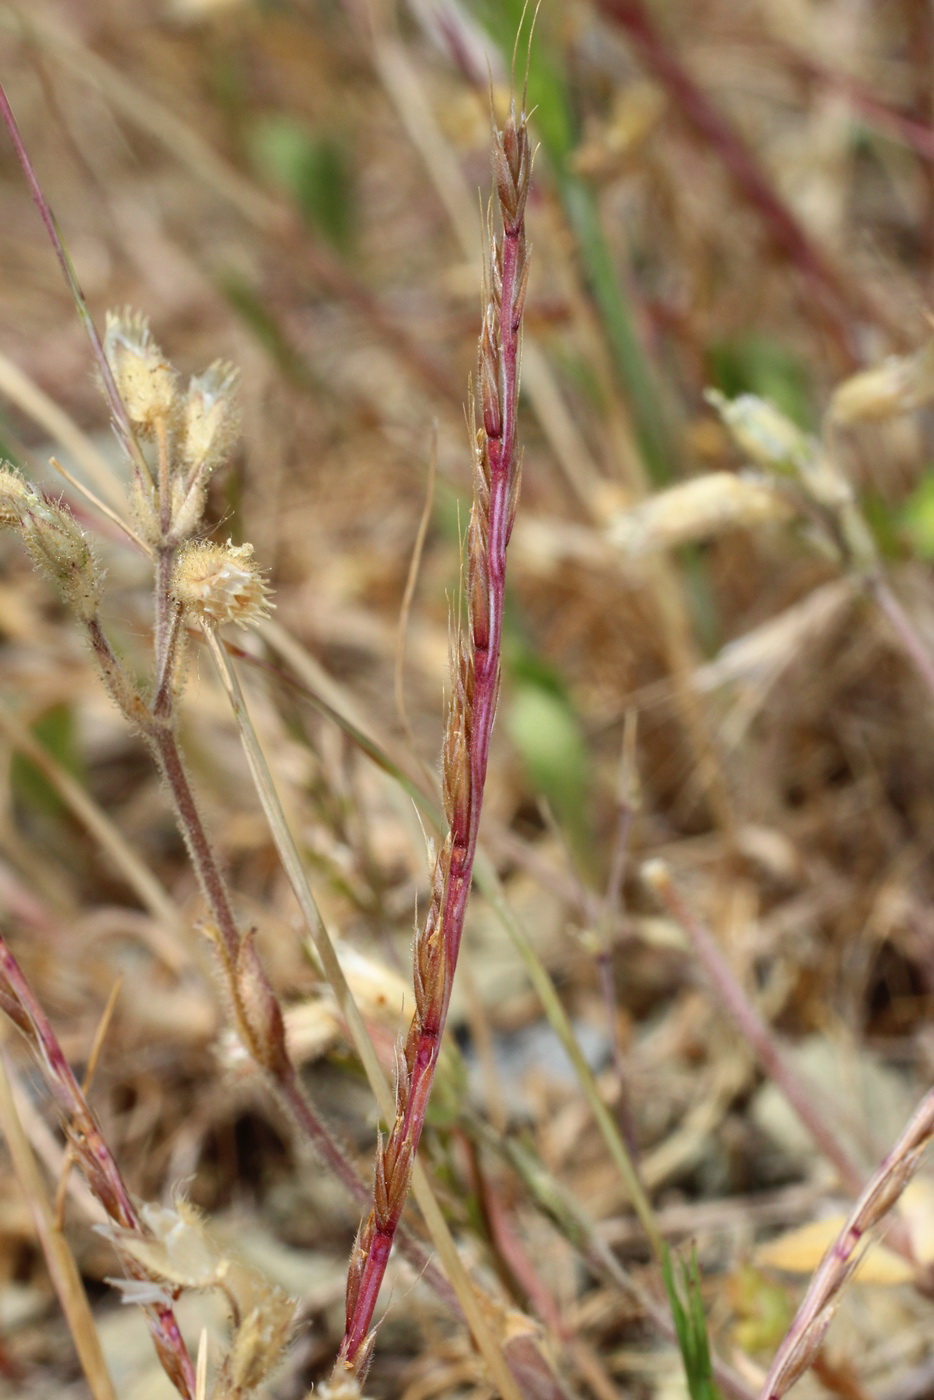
{"x": 773, "y": 442}
{"x": 218, "y": 583}
{"x": 144, "y": 378}
{"x": 14, "y": 495}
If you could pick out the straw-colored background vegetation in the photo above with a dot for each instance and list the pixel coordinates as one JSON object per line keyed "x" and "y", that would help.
{"x": 292, "y": 185}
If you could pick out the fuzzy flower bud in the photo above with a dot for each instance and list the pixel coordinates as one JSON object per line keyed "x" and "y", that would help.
{"x": 774, "y": 442}
{"x": 762, "y": 431}
{"x": 211, "y": 418}
{"x": 221, "y": 583}
{"x": 144, "y": 378}
{"x": 54, "y": 540}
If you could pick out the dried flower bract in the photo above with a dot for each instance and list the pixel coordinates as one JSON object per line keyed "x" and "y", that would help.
{"x": 144, "y": 378}
{"x": 221, "y": 583}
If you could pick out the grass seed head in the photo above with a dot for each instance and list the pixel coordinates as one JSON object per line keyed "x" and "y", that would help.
{"x": 697, "y": 510}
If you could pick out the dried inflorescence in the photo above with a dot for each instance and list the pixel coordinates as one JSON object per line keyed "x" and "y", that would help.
{"x": 188, "y": 434}
{"x": 216, "y": 584}
{"x": 178, "y": 1252}
{"x": 54, "y": 541}
{"x": 475, "y": 667}
{"x": 193, "y": 431}
{"x": 146, "y": 382}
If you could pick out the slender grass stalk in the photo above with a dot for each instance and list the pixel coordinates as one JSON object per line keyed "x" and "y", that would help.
{"x": 465, "y": 752}
{"x": 334, "y": 973}
{"x": 801, "y": 1096}
{"x": 121, "y": 420}
{"x": 833, "y": 294}
{"x": 489, "y": 883}
{"x": 803, "y": 1340}
{"x": 92, "y": 1153}
{"x": 570, "y": 1218}
{"x": 45, "y": 412}
{"x": 270, "y": 216}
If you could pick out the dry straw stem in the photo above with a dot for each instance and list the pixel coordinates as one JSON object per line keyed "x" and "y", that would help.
{"x": 274, "y": 219}
{"x": 801, "y": 1096}
{"x": 91, "y": 1152}
{"x": 803, "y": 1340}
{"x": 465, "y": 749}
{"x": 152, "y": 895}
{"x": 564, "y": 1210}
{"x": 31, "y": 400}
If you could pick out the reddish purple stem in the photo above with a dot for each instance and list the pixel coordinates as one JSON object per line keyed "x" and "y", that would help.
{"x": 20, "y": 1003}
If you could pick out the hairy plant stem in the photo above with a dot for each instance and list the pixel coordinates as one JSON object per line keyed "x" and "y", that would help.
{"x": 284, "y": 1079}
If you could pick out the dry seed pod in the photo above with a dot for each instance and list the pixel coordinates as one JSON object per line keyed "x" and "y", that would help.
{"x": 774, "y": 442}
{"x": 259, "y": 1340}
{"x": 144, "y": 378}
{"x": 221, "y": 583}
{"x": 177, "y": 1250}
{"x": 15, "y": 493}
{"x": 210, "y": 418}
{"x": 57, "y": 546}
{"x": 763, "y": 432}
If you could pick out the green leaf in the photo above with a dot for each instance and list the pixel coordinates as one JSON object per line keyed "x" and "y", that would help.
{"x": 918, "y": 517}
{"x": 55, "y": 731}
{"x": 547, "y": 734}
{"x": 312, "y": 168}
{"x": 756, "y": 364}
{"x": 687, "y": 1311}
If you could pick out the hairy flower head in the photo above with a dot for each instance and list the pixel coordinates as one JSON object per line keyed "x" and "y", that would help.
{"x": 15, "y": 494}
{"x": 54, "y": 540}
{"x": 220, "y": 583}
{"x": 211, "y": 417}
{"x": 145, "y": 380}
